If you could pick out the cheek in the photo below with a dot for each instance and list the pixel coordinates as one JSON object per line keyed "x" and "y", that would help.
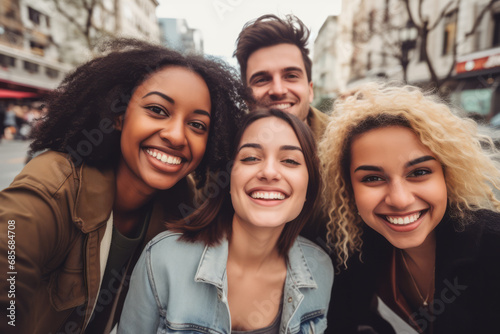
{"x": 258, "y": 92}
{"x": 304, "y": 182}
{"x": 198, "y": 147}
{"x": 440, "y": 195}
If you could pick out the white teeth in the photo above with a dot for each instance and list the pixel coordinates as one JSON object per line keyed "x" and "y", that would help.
{"x": 165, "y": 158}
{"x": 403, "y": 221}
{"x": 267, "y": 195}
{"x": 282, "y": 106}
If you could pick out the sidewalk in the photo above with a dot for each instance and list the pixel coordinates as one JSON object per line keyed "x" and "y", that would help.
{"x": 12, "y": 157}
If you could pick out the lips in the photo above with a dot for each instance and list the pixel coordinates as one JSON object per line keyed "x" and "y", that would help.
{"x": 164, "y": 157}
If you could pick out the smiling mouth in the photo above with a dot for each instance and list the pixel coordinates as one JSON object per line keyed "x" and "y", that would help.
{"x": 163, "y": 157}
{"x": 282, "y": 106}
{"x": 405, "y": 220}
{"x": 270, "y": 195}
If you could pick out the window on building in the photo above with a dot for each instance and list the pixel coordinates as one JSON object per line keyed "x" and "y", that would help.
{"x": 450, "y": 32}
{"x": 34, "y": 15}
{"x": 13, "y": 37}
{"x": 7, "y": 61}
{"x": 51, "y": 73}
{"x": 369, "y": 62}
{"x": 30, "y": 67}
{"x": 496, "y": 29}
{"x": 47, "y": 21}
{"x": 37, "y": 48}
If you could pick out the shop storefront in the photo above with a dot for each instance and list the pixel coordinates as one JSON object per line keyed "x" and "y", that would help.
{"x": 477, "y": 89}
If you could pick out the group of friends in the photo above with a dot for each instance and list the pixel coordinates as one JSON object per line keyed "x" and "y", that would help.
{"x": 176, "y": 195}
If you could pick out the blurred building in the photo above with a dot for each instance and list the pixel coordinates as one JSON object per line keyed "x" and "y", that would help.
{"x": 29, "y": 58}
{"x": 40, "y": 43}
{"x": 462, "y": 49}
{"x": 324, "y": 71}
{"x": 176, "y": 34}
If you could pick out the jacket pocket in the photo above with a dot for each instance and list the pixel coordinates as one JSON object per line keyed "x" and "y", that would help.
{"x": 315, "y": 325}
{"x": 66, "y": 285}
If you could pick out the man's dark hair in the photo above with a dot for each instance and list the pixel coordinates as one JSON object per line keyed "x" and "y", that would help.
{"x": 99, "y": 91}
{"x": 212, "y": 221}
{"x": 270, "y": 30}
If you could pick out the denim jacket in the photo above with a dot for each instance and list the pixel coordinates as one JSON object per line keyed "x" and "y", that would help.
{"x": 181, "y": 287}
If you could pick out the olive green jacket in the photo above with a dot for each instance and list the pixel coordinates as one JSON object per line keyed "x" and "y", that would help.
{"x": 317, "y": 121}
{"x": 54, "y": 220}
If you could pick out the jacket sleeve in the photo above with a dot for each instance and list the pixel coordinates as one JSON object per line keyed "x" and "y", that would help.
{"x": 141, "y": 312}
{"x": 30, "y": 222}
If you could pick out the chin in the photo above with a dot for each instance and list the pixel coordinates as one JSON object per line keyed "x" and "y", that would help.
{"x": 407, "y": 244}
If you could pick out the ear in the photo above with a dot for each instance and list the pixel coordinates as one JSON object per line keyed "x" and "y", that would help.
{"x": 311, "y": 92}
{"x": 119, "y": 122}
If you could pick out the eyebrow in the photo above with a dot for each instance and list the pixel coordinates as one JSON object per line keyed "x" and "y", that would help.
{"x": 292, "y": 68}
{"x": 171, "y": 100}
{"x": 165, "y": 97}
{"x": 286, "y": 69}
{"x": 419, "y": 160}
{"x": 408, "y": 164}
{"x": 282, "y": 148}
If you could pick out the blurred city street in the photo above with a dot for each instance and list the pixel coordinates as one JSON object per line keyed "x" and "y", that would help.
{"x": 12, "y": 157}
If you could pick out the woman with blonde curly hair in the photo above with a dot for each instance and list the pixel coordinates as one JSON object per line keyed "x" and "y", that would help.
{"x": 413, "y": 219}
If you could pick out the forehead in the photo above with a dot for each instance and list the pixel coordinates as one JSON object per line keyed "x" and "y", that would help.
{"x": 270, "y": 132}
{"x": 172, "y": 74}
{"x": 393, "y": 144}
{"x": 275, "y": 58}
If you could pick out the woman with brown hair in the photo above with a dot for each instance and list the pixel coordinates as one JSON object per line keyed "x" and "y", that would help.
{"x": 239, "y": 265}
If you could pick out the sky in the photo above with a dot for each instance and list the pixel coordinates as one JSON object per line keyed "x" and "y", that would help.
{"x": 220, "y": 21}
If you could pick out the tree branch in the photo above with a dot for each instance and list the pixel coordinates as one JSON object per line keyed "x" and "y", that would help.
{"x": 410, "y": 15}
{"x": 420, "y": 14}
{"x": 444, "y": 13}
{"x": 479, "y": 18}
{"x": 68, "y": 17}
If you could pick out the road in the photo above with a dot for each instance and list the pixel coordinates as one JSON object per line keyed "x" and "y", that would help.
{"x": 12, "y": 157}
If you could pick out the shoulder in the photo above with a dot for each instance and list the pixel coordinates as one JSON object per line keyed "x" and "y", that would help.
{"x": 309, "y": 246}
{"x": 487, "y": 224}
{"x": 179, "y": 251}
{"x": 317, "y": 259}
{"x": 318, "y": 121}
{"x": 48, "y": 172}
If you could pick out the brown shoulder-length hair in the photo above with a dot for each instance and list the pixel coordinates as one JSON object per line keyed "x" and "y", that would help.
{"x": 212, "y": 221}
{"x": 270, "y": 30}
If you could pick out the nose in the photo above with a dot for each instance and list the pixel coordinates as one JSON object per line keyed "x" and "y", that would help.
{"x": 174, "y": 133}
{"x": 269, "y": 171}
{"x": 278, "y": 87}
{"x": 399, "y": 195}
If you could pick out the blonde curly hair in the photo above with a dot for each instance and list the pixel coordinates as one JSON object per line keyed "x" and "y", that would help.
{"x": 470, "y": 160}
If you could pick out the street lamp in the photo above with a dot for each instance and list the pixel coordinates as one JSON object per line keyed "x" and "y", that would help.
{"x": 408, "y": 38}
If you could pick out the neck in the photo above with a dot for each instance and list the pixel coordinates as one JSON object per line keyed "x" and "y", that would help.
{"x": 420, "y": 262}
{"x": 423, "y": 257}
{"x": 254, "y": 248}
{"x": 130, "y": 200}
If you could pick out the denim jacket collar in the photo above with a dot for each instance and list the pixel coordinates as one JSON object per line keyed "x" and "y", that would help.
{"x": 212, "y": 266}
{"x": 212, "y": 270}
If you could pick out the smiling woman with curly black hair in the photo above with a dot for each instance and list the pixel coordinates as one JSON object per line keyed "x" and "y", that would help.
{"x": 122, "y": 133}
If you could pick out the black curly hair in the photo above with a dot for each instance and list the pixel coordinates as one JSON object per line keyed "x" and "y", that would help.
{"x": 82, "y": 110}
